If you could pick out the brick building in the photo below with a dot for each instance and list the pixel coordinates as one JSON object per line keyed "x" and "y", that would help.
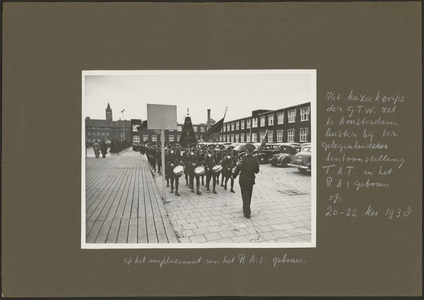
{"x": 107, "y": 129}
{"x": 291, "y": 124}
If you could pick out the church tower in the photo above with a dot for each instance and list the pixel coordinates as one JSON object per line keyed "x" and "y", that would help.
{"x": 108, "y": 113}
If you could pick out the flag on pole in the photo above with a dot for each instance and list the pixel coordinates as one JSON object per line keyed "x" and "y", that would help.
{"x": 213, "y": 133}
{"x": 187, "y": 135}
{"x": 143, "y": 125}
{"x": 263, "y": 142}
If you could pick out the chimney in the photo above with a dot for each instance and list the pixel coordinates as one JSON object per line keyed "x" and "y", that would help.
{"x": 209, "y": 118}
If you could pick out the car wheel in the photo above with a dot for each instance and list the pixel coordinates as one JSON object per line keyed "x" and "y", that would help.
{"x": 274, "y": 161}
{"x": 262, "y": 159}
{"x": 285, "y": 163}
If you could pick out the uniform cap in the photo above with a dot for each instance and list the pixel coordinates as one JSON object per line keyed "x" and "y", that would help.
{"x": 250, "y": 147}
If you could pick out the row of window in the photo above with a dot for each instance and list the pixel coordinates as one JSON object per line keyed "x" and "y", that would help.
{"x": 179, "y": 128}
{"x": 291, "y": 115}
{"x": 98, "y": 133}
{"x": 236, "y": 138}
{"x": 254, "y": 138}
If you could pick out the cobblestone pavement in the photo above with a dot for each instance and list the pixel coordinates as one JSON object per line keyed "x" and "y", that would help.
{"x": 281, "y": 210}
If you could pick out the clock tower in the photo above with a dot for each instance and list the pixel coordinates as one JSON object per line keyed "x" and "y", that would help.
{"x": 108, "y": 113}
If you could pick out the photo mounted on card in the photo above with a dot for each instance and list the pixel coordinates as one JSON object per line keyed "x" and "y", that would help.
{"x": 198, "y": 159}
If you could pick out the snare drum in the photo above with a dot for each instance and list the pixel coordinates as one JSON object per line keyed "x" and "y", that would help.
{"x": 199, "y": 171}
{"x": 217, "y": 169}
{"x": 178, "y": 170}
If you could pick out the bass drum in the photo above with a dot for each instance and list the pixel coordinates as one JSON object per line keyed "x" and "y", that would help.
{"x": 178, "y": 170}
{"x": 199, "y": 171}
{"x": 217, "y": 169}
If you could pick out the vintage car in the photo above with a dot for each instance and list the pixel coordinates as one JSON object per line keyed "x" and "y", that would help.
{"x": 264, "y": 153}
{"x": 286, "y": 155}
{"x": 302, "y": 160}
{"x": 240, "y": 149}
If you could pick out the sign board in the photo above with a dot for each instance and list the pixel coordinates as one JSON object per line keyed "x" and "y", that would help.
{"x": 162, "y": 116}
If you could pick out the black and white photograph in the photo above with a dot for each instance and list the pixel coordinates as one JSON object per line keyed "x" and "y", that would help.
{"x": 198, "y": 159}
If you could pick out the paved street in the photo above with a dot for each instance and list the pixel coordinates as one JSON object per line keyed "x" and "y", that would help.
{"x": 281, "y": 210}
{"x": 123, "y": 205}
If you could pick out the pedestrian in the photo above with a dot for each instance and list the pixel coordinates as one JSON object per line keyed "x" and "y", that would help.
{"x": 247, "y": 167}
{"x": 96, "y": 149}
{"x": 103, "y": 148}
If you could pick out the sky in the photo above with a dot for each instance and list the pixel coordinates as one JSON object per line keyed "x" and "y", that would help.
{"x": 240, "y": 91}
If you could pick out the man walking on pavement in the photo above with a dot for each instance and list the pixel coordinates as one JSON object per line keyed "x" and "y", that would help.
{"x": 247, "y": 168}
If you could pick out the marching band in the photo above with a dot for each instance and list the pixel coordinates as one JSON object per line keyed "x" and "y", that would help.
{"x": 196, "y": 162}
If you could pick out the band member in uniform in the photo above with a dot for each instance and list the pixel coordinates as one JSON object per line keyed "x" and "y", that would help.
{"x": 228, "y": 164}
{"x": 186, "y": 156}
{"x": 200, "y": 155}
{"x": 172, "y": 160}
{"x": 195, "y": 161}
{"x": 209, "y": 163}
{"x": 247, "y": 167}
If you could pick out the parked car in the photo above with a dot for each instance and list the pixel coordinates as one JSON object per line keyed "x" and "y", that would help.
{"x": 286, "y": 155}
{"x": 136, "y": 146}
{"x": 265, "y": 152}
{"x": 302, "y": 160}
{"x": 240, "y": 149}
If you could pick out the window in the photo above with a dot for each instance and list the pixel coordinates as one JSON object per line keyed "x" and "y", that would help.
{"x": 103, "y": 133}
{"x": 270, "y": 120}
{"x": 232, "y": 126}
{"x": 304, "y": 114}
{"x": 247, "y": 138}
{"x": 242, "y": 124}
{"x": 280, "y": 135}
{"x": 290, "y": 135}
{"x": 145, "y": 137}
{"x": 254, "y": 137}
{"x": 89, "y": 133}
{"x": 261, "y": 135}
{"x": 237, "y": 138}
{"x": 178, "y": 137}
{"x": 270, "y": 136}
{"x": 224, "y": 128}
{"x": 241, "y": 137}
{"x": 280, "y": 118}
{"x": 262, "y": 121}
{"x": 136, "y": 139}
{"x": 292, "y": 116}
{"x": 248, "y": 124}
{"x": 154, "y": 137}
{"x": 303, "y": 134}
{"x": 254, "y": 122}
{"x": 179, "y": 128}
{"x": 195, "y": 128}
{"x": 171, "y": 138}
{"x": 228, "y": 138}
{"x": 237, "y": 125}
{"x": 202, "y": 129}
{"x": 232, "y": 138}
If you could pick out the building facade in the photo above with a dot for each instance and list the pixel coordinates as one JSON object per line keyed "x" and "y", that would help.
{"x": 285, "y": 125}
{"x": 153, "y": 136}
{"x": 107, "y": 129}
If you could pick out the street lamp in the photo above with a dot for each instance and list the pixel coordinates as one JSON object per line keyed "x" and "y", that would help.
{"x": 123, "y": 122}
